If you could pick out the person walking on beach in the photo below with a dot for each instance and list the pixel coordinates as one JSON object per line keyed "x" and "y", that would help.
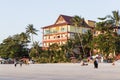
{"x": 21, "y": 63}
{"x": 95, "y": 63}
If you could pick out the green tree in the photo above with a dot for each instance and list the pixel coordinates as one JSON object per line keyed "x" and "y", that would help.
{"x": 24, "y": 38}
{"x": 106, "y": 40}
{"x": 36, "y": 50}
{"x": 12, "y": 48}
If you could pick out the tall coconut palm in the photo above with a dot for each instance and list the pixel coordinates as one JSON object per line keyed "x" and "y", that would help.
{"x": 31, "y": 30}
{"x": 77, "y": 22}
{"x": 87, "y": 41}
{"x": 114, "y": 18}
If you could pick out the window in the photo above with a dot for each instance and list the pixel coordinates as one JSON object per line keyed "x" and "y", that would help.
{"x": 47, "y": 31}
{"x": 58, "y": 36}
{"x": 62, "y": 29}
{"x": 84, "y": 30}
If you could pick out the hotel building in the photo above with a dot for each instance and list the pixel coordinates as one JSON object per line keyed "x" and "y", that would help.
{"x": 62, "y": 30}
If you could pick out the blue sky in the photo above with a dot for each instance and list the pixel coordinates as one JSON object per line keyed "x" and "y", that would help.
{"x": 15, "y": 15}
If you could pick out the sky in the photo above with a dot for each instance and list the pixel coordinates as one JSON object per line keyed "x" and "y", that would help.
{"x": 15, "y": 15}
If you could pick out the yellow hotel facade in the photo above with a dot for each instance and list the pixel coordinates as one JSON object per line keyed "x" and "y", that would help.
{"x": 62, "y": 30}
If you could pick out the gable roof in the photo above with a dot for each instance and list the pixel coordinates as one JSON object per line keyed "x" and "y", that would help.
{"x": 66, "y": 18}
{"x": 66, "y": 21}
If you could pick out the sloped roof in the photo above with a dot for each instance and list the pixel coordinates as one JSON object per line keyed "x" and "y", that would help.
{"x": 67, "y": 18}
{"x": 67, "y": 21}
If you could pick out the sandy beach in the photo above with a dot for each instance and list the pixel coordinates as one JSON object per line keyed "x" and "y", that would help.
{"x": 60, "y": 71}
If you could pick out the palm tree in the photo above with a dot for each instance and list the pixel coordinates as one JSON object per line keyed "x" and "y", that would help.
{"x": 77, "y": 22}
{"x": 106, "y": 40}
{"x": 114, "y": 18}
{"x": 87, "y": 41}
{"x": 31, "y": 30}
{"x": 35, "y": 50}
{"x": 54, "y": 52}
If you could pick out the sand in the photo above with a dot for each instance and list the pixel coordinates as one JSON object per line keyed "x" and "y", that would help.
{"x": 60, "y": 71}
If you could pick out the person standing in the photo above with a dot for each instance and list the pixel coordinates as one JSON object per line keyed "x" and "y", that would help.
{"x": 96, "y": 63}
